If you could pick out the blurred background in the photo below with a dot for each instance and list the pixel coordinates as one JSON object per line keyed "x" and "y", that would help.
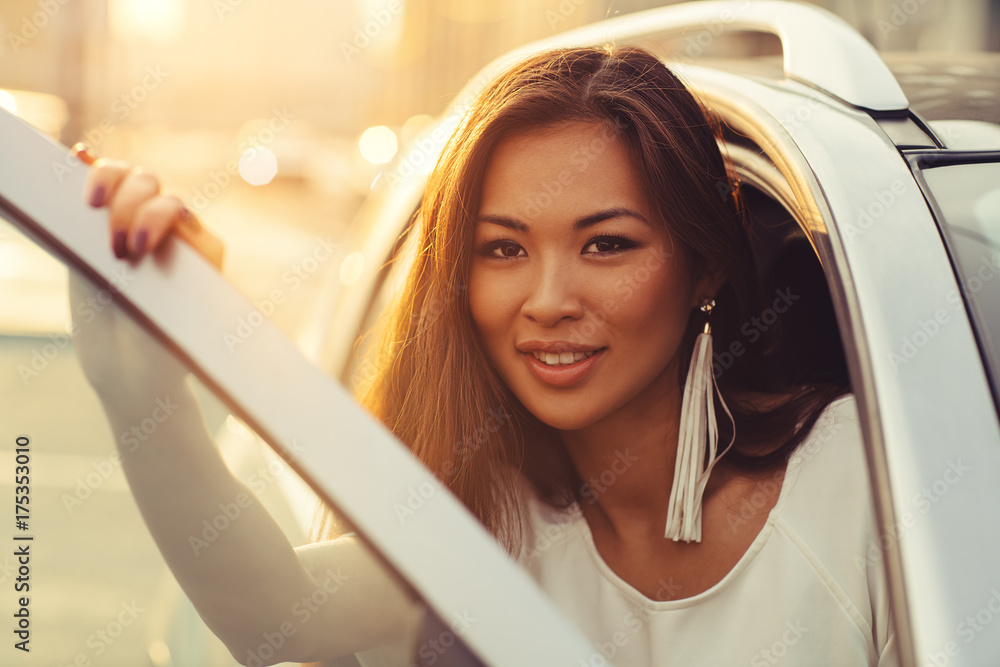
{"x": 273, "y": 119}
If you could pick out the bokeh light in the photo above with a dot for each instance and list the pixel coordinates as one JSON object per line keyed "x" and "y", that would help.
{"x": 413, "y": 126}
{"x": 258, "y": 165}
{"x": 378, "y": 144}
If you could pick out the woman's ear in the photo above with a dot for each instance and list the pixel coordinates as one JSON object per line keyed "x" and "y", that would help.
{"x": 711, "y": 281}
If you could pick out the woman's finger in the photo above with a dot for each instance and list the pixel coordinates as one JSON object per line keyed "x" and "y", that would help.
{"x": 135, "y": 189}
{"x": 153, "y": 220}
{"x": 103, "y": 179}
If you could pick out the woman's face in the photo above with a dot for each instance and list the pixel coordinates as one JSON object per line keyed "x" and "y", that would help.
{"x": 569, "y": 265}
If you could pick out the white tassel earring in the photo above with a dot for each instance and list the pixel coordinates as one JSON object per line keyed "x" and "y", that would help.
{"x": 697, "y": 441}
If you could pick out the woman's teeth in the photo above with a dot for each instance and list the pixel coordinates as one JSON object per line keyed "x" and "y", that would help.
{"x": 562, "y": 359}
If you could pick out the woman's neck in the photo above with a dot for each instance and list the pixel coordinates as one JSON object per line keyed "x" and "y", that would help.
{"x": 626, "y": 460}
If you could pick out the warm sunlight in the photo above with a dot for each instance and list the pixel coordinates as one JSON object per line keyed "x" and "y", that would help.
{"x": 147, "y": 21}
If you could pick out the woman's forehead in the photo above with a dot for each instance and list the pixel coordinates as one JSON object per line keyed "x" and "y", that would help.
{"x": 565, "y": 168}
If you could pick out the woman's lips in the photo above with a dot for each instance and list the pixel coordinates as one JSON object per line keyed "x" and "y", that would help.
{"x": 562, "y": 376}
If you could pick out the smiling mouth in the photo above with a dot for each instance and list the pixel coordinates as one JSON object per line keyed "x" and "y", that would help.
{"x": 563, "y": 358}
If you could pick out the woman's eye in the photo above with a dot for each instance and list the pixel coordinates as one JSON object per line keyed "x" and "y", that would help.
{"x": 599, "y": 245}
{"x": 501, "y": 249}
{"x": 609, "y": 245}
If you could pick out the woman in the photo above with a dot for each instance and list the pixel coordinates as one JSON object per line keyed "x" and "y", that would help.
{"x": 549, "y": 359}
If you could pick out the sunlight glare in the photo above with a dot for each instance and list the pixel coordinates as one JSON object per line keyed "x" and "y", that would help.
{"x": 378, "y": 144}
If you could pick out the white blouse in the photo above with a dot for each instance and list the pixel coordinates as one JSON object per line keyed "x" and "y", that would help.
{"x": 810, "y": 590}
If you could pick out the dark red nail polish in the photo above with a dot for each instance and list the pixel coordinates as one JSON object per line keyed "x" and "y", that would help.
{"x": 140, "y": 243}
{"x": 119, "y": 245}
{"x": 97, "y": 196}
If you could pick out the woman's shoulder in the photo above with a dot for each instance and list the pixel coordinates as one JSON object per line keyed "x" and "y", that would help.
{"x": 829, "y": 512}
{"x": 829, "y": 463}
{"x": 830, "y": 516}
{"x": 836, "y": 433}
{"x": 833, "y": 449}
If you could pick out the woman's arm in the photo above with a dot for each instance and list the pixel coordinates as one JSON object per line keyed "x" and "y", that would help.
{"x": 246, "y": 581}
{"x": 249, "y": 585}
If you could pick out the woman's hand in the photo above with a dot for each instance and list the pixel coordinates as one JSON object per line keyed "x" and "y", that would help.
{"x": 140, "y": 215}
{"x": 126, "y": 366}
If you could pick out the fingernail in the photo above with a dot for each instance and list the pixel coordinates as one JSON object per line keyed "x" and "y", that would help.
{"x": 140, "y": 243}
{"x": 97, "y": 196}
{"x": 119, "y": 245}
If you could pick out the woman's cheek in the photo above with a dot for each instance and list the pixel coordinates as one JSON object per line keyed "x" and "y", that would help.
{"x": 485, "y": 295}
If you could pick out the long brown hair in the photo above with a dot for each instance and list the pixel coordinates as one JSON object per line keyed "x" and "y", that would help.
{"x": 433, "y": 383}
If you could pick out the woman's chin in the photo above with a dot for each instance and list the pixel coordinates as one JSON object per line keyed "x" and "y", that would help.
{"x": 568, "y": 418}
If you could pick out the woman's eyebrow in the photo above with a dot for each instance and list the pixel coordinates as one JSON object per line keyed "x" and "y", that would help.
{"x": 614, "y": 212}
{"x": 504, "y": 221}
{"x": 582, "y": 223}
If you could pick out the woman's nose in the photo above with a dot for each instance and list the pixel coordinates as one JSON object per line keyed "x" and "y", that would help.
{"x": 553, "y": 296}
